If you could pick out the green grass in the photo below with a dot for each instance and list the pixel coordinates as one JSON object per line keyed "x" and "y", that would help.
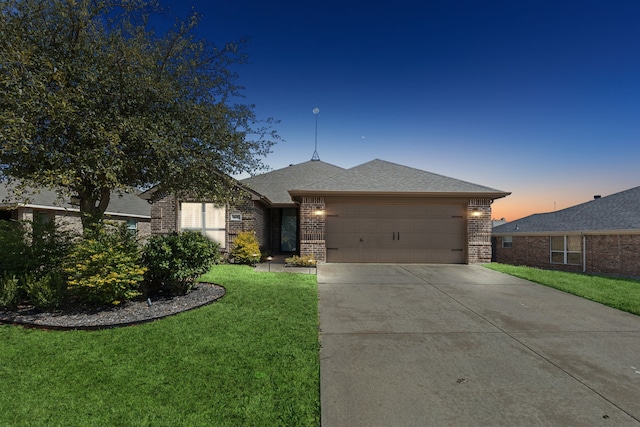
{"x": 623, "y": 294}
{"x": 250, "y": 359}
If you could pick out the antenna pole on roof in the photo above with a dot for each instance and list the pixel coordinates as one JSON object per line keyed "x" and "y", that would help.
{"x": 315, "y": 156}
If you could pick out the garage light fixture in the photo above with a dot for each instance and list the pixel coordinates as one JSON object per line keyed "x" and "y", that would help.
{"x": 319, "y": 212}
{"x": 476, "y": 212}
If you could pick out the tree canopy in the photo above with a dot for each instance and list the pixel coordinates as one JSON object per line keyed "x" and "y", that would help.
{"x": 94, "y": 99}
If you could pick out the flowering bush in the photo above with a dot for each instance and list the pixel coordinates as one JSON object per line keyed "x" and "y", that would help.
{"x": 105, "y": 266}
{"x": 246, "y": 249}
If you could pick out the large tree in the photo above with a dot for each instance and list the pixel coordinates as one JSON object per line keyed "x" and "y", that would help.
{"x": 93, "y": 99}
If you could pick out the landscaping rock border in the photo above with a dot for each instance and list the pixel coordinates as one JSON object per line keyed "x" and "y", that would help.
{"x": 130, "y": 313}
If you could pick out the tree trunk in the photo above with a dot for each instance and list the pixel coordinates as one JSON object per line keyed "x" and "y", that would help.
{"x": 93, "y": 204}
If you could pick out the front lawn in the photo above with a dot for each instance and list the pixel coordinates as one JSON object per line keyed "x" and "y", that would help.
{"x": 623, "y": 294}
{"x": 249, "y": 359}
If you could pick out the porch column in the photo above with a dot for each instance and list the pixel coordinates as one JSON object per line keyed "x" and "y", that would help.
{"x": 313, "y": 228}
{"x": 479, "y": 231}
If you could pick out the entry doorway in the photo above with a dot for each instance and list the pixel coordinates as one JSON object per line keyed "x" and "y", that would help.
{"x": 289, "y": 230}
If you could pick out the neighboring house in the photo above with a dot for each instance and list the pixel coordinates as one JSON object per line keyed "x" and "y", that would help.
{"x": 375, "y": 212}
{"x": 601, "y": 236}
{"x": 45, "y": 205}
{"x": 497, "y": 222}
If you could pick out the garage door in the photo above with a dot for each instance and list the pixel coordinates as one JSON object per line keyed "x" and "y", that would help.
{"x": 382, "y": 233}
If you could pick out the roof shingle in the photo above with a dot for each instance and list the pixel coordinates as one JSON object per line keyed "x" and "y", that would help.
{"x": 125, "y": 204}
{"x": 275, "y": 184}
{"x": 379, "y": 176}
{"x": 619, "y": 211}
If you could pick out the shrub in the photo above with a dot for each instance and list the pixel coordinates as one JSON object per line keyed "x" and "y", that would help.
{"x": 105, "y": 266}
{"x": 174, "y": 261}
{"x": 301, "y": 261}
{"x": 9, "y": 292}
{"x": 33, "y": 248}
{"x": 46, "y": 292}
{"x": 246, "y": 249}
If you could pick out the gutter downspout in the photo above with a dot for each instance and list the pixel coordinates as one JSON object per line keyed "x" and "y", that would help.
{"x": 584, "y": 253}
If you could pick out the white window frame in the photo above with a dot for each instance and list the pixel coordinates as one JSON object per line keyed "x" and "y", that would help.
{"x": 216, "y": 232}
{"x": 507, "y": 242}
{"x": 565, "y": 251}
{"x": 132, "y": 226}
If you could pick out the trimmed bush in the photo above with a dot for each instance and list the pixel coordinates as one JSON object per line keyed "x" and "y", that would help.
{"x": 174, "y": 261}
{"x": 246, "y": 249}
{"x": 105, "y": 266}
{"x": 301, "y": 261}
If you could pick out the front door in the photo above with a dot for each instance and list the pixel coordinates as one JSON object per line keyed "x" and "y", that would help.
{"x": 289, "y": 230}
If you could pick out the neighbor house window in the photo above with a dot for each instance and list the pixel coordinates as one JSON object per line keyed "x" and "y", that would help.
{"x": 566, "y": 250}
{"x": 207, "y": 218}
{"x": 507, "y": 241}
{"x": 42, "y": 217}
{"x": 132, "y": 226}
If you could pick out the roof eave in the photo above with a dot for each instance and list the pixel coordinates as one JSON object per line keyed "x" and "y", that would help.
{"x": 68, "y": 209}
{"x": 485, "y": 195}
{"x": 567, "y": 232}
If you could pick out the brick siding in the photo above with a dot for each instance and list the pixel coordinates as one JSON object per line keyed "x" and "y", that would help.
{"x": 479, "y": 231}
{"x": 165, "y": 219}
{"x": 255, "y": 217}
{"x": 164, "y": 215}
{"x": 313, "y": 228}
{"x": 617, "y": 254}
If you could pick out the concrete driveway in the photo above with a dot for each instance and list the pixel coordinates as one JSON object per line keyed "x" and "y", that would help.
{"x": 459, "y": 345}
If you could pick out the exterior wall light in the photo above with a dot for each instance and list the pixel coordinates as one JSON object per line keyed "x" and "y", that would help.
{"x": 319, "y": 212}
{"x": 476, "y": 212}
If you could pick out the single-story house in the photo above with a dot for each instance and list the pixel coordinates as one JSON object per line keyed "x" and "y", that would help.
{"x": 45, "y": 205}
{"x": 375, "y": 212}
{"x": 601, "y": 236}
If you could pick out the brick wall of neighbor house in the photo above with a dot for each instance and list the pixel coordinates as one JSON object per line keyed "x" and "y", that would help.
{"x": 614, "y": 254}
{"x": 605, "y": 254}
{"x": 70, "y": 221}
{"x": 533, "y": 251}
{"x": 479, "y": 231}
{"x": 313, "y": 228}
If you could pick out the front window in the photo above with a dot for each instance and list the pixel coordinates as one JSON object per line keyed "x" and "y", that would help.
{"x": 207, "y": 218}
{"x": 566, "y": 250}
{"x": 507, "y": 241}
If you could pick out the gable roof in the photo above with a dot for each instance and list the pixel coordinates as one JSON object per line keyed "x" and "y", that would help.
{"x": 382, "y": 177}
{"x": 275, "y": 184}
{"x": 121, "y": 204}
{"x": 617, "y": 212}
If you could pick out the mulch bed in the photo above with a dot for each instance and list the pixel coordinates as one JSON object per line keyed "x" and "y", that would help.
{"x": 130, "y": 313}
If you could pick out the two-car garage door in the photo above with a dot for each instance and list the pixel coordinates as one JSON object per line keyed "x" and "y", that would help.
{"x": 395, "y": 233}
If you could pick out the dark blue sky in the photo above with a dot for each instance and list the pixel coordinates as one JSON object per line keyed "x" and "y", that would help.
{"x": 540, "y": 98}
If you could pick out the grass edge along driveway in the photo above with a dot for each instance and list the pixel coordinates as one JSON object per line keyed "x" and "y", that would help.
{"x": 250, "y": 359}
{"x": 619, "y": 293}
